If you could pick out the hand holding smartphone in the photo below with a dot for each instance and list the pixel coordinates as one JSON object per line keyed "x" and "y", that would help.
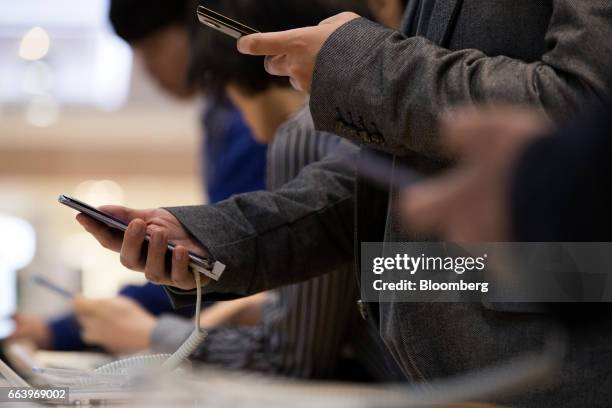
{"x": 204, "y": 265}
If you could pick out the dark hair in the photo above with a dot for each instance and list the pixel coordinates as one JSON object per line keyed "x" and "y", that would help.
{"x": 134, "y": 20}
{"x": 215, "y": 60}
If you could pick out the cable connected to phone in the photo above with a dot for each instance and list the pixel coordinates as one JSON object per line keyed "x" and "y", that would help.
{"x": 195, "y": 339}
{"x": 168, "y": 362}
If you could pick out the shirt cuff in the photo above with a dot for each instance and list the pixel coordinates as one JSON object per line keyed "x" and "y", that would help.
{"x": 66, "y": 334}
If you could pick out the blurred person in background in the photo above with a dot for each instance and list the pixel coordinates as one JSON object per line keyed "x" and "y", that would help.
{"x": 232, "y": 162}
{"x": 307, "y": 330}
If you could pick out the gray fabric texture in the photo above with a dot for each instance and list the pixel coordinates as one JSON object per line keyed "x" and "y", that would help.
{"x": 377, "y": 87}
{"x": 305, "y": 326}
{"x": 384, "y": 91}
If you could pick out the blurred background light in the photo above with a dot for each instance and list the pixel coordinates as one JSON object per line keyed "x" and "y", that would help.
{"x": 99, "y": 192}
{"x": 17, "y": 248}
{"x": 17, "y": 242}
{"x": 76, "y": 58}
{"x": 65, "y": 13}
{"x": 111, "y": 73}
{"x": 34, "y": 44}
{"x": 57, "y": 136}
{"x": 38, "y": 78}
{"x": 42, "y": 111}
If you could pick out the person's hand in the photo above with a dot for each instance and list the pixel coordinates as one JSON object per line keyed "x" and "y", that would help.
{"x": 387, "y": 12}
{"x": 240, "y": 312}
{"x": 470, "y": 202}
{"x": 118, "y": 325}
{"x": 162, "y": 227}
{"x": 32, "y": 328}
{"x": 293, "y": 53}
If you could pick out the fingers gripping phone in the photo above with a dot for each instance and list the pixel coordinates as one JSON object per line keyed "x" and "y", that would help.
{"x": 223, "y": 24}
{"x": 197, "y": 263}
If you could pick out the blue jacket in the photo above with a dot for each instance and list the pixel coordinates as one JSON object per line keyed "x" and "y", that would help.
{"x": 233, "y": 161}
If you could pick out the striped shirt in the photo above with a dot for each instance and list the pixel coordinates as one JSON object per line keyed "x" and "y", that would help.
{"x": 308, "y": 323}
{"x": 305, "y": 326}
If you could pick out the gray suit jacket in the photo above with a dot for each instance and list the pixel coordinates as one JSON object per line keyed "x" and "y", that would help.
{"x": 382, "y": 90}
{"x": 378, "y": 88}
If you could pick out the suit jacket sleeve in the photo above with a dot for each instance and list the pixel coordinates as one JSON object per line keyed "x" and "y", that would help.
{"x": 377, "y": 87}
{"x": 269, "y": 239}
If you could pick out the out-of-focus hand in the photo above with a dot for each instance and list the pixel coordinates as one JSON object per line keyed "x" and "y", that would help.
{"x": 387, "y": 12}
{"x": 470, "y": 202}
{"x": 162, "y": 227}
{"x": 239, "y": 312}
{"x": 293, "y": 53}
{"x": 119, "y": 325}
{"x": 31, "y": 328}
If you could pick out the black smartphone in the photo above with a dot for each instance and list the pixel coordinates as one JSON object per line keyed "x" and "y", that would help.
{"x": 223, "y": 24}
{"x": 206, "y": 266}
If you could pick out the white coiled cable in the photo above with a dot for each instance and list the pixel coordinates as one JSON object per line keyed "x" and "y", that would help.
{"x": 165, "y": 362}
{"x": 129, "y": 365}
{"x": 195, "y": 339}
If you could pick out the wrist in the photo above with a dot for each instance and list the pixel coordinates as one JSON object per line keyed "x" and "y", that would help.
{"x": 43, "y": 336}
{"x": 143, "y": 337}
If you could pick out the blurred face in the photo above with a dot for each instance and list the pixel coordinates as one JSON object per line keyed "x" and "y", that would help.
{"x": 387, "y": 12}
{"x": 166, "y": 56}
